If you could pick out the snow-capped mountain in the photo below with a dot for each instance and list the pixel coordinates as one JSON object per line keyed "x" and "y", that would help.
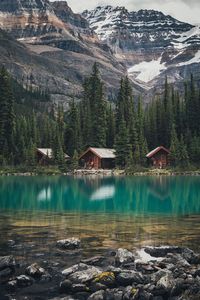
{"x": 150, "y": 44}
{"x": 49, "y": 46}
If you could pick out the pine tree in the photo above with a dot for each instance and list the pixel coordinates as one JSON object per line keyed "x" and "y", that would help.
{"x": 122, "y": 145}
{"x": 94, "y": 120}
{"x": 174, "y": 148}
{"x": 75, "y": 161}
{"x": 7, "y": 118}
{"x": 110, "y": 134}
{"x": 183, "y": 153}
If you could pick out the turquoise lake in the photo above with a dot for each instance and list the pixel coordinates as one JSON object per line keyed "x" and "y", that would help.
{"x": 109, "y": 212}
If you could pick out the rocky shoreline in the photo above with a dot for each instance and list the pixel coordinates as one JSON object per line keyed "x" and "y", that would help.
{"x": 156, "y": 273}
{"x": 105, "y": 173}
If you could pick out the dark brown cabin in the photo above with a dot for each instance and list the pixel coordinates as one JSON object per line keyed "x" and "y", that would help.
{"x": 159, "y": 157}
{"x": 45, "y": 156}
{"x": 98, "y": 158}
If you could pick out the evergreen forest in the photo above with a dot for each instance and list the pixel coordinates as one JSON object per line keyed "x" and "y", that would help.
{"x": 29, "y": 120}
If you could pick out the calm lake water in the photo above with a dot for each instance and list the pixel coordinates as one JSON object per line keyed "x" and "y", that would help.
{"x": 104, "y": 212}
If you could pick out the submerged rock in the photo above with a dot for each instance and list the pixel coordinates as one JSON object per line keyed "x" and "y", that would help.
{"x": 69, "y": 244}
{"x": 12, "y": 285}
{"x": 24, "y": 281}
{"x": 7, "y": 267}
{"x": 65, "y": 286}
{"x": 7, "y": 262}
{"x": 162, "y": 251}
{"x": 35, "y": 271}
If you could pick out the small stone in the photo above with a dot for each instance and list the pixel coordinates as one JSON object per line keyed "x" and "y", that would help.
{"x": 69, "y": 244}
{"x": 123, "y": 256}
{"x": 11, "y": 243}
{"x": 159, "y": 274}
{"x": 46, "y": 278}
{"x": 12, "y": 285}
{"x": 82, "y": 296}
{"x": 100, "y": 295}
{"x": 24, "y": 281}
{"x": 78, "y": 288}
{"x": 94, "y": 261}
{"x": 162, "y": 251}
{"x": 96, "y": 286}
{"x": 35, "y": 271}
{"x": 166, "y": 282}
{"x": 128, "y": 278}
{"x": 197, "y": 273}
{"x": 65, "y": 286}
{"x": 5, "y": 273}
{"x": 7, "y": 262}
{"x": 114, "y": 294}
{"x": 130, "y": 293}
{"x": 196, "y": 259}
{"x": 75, "y": 268}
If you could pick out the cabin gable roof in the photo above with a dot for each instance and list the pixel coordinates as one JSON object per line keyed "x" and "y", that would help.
{"x": 48, "y": 152}
{"x": 101, "y": 152}
{"x": 156, "y": 150}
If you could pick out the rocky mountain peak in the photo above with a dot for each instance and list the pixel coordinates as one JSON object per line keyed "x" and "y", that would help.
{"x": 65, "y": 13}
{"x": 17, "y": 6}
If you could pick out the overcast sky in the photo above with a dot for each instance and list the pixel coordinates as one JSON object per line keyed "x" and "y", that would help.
{"x": 184, "y": 10}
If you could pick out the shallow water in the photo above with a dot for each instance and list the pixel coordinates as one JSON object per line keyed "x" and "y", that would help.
{"x": 106, "y": 213}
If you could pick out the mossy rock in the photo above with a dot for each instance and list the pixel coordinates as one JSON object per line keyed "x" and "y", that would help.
{"x": 134, "y": 291}
{"x": 106, "y": 278}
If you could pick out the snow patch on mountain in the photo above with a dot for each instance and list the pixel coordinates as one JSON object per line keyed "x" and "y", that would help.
{"x": 194, "y": 60}
{"x": 147, "y": 70}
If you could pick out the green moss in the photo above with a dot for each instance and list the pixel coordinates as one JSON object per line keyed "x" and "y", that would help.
{"x": 105, "y": 276}
{"x": 133, "y": 291}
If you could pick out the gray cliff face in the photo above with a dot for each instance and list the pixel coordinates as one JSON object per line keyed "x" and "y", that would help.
{"x": 55, "y": 48}
{"x": 65, "y": 13}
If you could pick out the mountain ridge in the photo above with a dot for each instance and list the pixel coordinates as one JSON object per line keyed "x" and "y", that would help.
{"x": 65, "y": 43}
{"x": 145, "y": 45}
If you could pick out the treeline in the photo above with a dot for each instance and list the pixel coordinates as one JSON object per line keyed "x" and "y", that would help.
{"x": 170, "y": 120}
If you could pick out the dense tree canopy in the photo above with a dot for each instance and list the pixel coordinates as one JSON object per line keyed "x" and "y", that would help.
{"x": 171, "y": 120}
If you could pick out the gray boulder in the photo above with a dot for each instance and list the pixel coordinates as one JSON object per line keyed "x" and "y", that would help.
{"x": 84, "y": 275}
{"x": 123, "y": 256}
{"x": 75, "y": 268}
{"x": 129, "y": 278}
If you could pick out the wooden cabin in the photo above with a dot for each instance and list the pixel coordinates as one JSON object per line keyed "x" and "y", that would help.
{"x": 159, "y": 157}
{"x": 45, "y": 156}
{"x": 98, "y": 158}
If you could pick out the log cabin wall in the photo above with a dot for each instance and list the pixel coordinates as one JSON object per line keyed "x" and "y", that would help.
{"x": 92, "y": 160}
{"x": 160, "y": 159}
